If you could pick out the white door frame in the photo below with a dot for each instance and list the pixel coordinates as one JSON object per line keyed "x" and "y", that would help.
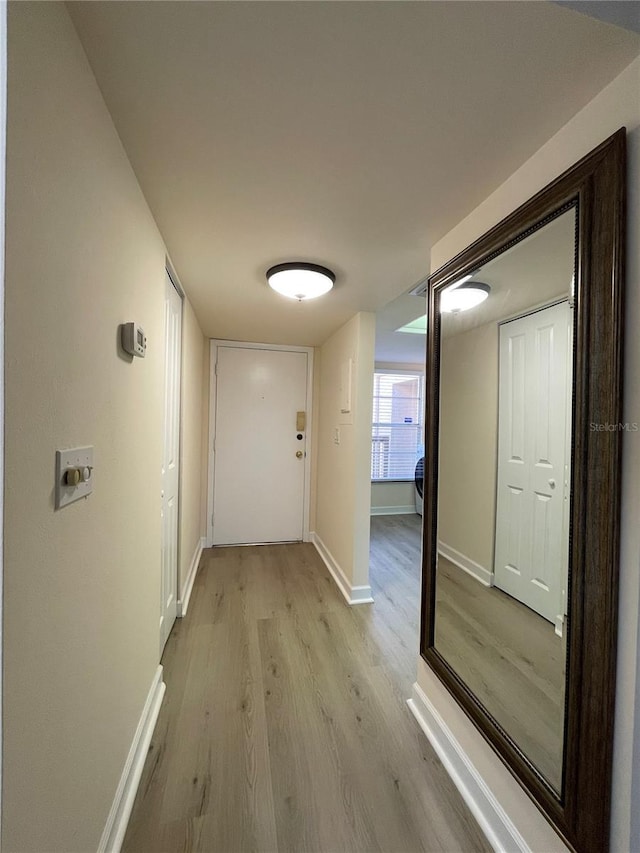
{"x": 171, "y": 272}
{"x": 171, "y": 275}
{"x": 214, "y": 344}
{"x": 3, "y": 153}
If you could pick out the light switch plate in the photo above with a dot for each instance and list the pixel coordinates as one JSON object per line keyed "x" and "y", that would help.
{"x": 76, "y": 457}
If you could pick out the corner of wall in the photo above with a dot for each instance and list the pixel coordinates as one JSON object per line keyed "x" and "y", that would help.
{"x": 204, "y": 447}
{"x": 315, "y": 426}
{"x": 343, "y": 442}
{"x": 192, "y": 461}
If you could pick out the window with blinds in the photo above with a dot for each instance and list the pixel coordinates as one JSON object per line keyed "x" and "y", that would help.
{"x": 397, "y": 440}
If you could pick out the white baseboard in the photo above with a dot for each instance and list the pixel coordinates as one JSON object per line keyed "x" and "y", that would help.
{"x": 185, "y": 595}
{"x": 465, "y": 563}
{"x": 352, "y": 594}
{"x": 393, "y": 510}
{"x": 492, "y": 818}
{"x": 116, "y": 825}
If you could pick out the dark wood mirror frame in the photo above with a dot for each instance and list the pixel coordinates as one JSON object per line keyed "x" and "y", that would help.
{"x": 596, "y": 187}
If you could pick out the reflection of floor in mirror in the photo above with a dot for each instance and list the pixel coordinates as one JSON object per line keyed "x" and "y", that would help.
{"x": 510, "y": 657}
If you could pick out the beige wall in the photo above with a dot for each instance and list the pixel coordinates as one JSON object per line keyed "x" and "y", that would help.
{"x": 399, "y": 365}
{"x": 191, "y": 457}
{"x": 393, "y": 496}
{"x": 469, "y": 443}
{"x": 617, "y": 105}
{"x": 343, "y": 471}
{"x": 315, "y": 426}
{"x": 82, "y": 585}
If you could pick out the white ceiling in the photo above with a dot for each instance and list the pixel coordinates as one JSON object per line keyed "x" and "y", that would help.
{"x": 400, "y": 347}
{"x": 622, "y": 13}
{"x": 534, "y": 272}
{"x": 351, "y": 134}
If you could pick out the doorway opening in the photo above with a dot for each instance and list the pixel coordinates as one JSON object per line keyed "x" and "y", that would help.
{"x": 397, "y": 465}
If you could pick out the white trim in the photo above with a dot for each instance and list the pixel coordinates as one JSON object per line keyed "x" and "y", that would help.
{"x": 175, "y": 568}
{"x": 534, "y": 309}
{"x": 3, "y": 155}
{"x": 483, "y": 804}
{"x": 177, "y": 284}
{"x": 213, "y": 349}
{"x": 214, "y": 344}
{"x": 465, "y": 563}
{"x": 116, "y": 825}
{"x": 352, "y": 594}
{"x": 183, "y": 601}
{"x": 173, "y": 275}
{"x": 393, "y": 510}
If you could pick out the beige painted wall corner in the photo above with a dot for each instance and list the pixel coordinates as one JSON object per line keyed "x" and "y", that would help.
{"x": 343, "y": 495}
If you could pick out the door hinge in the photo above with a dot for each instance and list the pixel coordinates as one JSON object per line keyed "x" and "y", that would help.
{"x": 215, "y": 368}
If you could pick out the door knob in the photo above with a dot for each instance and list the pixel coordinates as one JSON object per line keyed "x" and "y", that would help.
{"x": 299, "y": 454}
{"x": 552, "y": 484}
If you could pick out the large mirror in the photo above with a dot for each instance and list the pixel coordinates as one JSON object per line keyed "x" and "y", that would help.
{"x": 504, "y": 487}
{"x": 521, "y": 488}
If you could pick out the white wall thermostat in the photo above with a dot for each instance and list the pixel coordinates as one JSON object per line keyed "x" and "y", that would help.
{"x": 134, "y": 340}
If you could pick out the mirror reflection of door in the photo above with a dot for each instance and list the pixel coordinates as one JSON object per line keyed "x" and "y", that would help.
{"x": 504, "y": 489}
{"x": 531, "y": 541}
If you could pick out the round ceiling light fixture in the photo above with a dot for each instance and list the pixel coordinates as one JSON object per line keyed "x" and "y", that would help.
{"x": 300, "y": 280}
{"x": 463, "y": 296}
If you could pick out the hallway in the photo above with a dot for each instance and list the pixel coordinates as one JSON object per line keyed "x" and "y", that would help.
{"x": 285, "y": 725}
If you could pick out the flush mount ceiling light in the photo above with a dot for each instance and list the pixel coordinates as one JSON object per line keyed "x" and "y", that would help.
{"x": 300, "y": 280}
{"x": 462, "y": 296}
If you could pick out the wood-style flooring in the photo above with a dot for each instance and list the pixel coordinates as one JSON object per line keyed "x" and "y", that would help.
{"x": 512, "y": 660}
{"x": 285, "y": 725}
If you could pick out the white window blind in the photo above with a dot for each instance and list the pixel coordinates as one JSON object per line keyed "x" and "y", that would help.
{"x": 397, "y": 432}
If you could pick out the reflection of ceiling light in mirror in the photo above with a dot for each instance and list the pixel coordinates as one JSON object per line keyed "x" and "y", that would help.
{"x": 415, "y": 327}
{"x": 462, "y": 296}
{"x": 460, "y": 281}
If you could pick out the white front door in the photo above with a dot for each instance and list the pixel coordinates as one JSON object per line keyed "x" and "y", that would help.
{"x": 259, "y": 451}
{"x": 170, "y": 461}
{"x": 533, "y": 471}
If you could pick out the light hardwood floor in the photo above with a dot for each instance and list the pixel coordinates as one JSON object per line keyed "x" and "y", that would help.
{"x": 285, "y": 725}
{"x": 512, "y": 660}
